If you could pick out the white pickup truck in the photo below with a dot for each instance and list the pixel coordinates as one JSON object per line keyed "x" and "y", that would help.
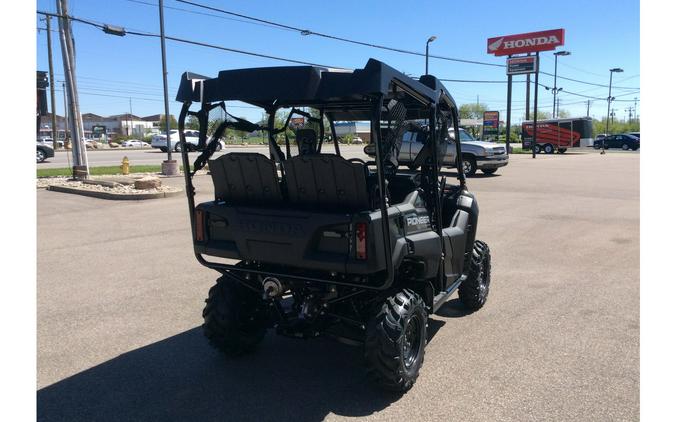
{"x": 191, "y": 138}
{"x": 476, "y": 155}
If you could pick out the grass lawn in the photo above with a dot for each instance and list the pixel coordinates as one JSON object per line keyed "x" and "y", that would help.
{"x": 101, "y": 171}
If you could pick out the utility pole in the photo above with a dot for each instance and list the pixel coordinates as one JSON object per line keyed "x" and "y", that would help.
{"x": 557, "y": 107}
{"x": 635, "y": 105}
{"x": 65, "y": 115}
{"x": 612, "y": 114}
{"x": 52, "y": 97}
{"x": 80, "y": 164}
{"x": 588, "y": 108}
{"x": 169, "y": 167}
{"x": 131, "y": 117}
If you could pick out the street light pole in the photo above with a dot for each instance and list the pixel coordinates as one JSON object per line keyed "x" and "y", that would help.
{"x": 609, "y": 102}
{"x": 426, "y": 68}
{"x": 555, "y": 77}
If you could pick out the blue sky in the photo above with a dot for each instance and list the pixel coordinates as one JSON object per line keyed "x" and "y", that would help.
{"x": 599, "y": 34}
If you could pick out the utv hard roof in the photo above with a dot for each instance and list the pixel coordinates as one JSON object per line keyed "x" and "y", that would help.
{"x": 344, "y": 93}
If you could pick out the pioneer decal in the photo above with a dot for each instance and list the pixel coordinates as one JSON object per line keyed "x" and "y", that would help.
{"x": 414, "y": 221}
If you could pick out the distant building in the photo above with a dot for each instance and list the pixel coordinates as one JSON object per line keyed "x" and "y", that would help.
{"x": 360, "y": 129}
{"x": 117, "y": 125}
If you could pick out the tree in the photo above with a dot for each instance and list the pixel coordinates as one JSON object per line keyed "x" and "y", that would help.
{"x": 541, "y": 115}
{"x": 563, "y": 114}
{"x": 472, "y": 110}
{"x": 173, "y": 124}
{"x": 191, "y": 123}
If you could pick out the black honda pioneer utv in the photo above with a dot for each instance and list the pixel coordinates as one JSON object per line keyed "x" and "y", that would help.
{"x": 327, "y": 245}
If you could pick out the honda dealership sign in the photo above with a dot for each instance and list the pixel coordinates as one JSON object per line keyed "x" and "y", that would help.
{"x": 526, "y": 43}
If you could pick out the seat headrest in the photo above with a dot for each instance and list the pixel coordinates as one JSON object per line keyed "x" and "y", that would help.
{"x": 307, "y": 141}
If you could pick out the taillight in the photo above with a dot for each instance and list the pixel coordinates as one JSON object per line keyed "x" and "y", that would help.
{"x": 199, "y": 225}
{"x": 361, "y": 239}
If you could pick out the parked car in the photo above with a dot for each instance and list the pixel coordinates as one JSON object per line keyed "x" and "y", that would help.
{"x": 134, "y": 143}
{"x": 357, "y": 140}
{"x": 49, "y": 142}
{"x": 623, "y": 141}
{"x": 191, "y": 137}
{"x": 636, "y": 134}
{"x": 601, "y": 136}
{"x": 44, "y": 151}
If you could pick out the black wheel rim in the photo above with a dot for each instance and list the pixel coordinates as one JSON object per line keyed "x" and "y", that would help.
{"x": 412, "y": 341}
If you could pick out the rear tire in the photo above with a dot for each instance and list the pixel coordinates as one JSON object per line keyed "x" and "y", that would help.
{"x": 537, "y": 149}
{"x": 234, "y": 318}
{"x": 473, "y": 291}
{"x": 40, "y": 156}
{"x": 625, "y": 147}
{"x": 548, "y": 149}
{"x": 395, "y": 341}
{"x": 562, "y": 150}
{"x": 163, "y": 149}
{"x": 489, "y": 171}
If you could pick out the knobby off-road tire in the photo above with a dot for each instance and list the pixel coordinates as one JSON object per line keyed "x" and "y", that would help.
{"x": 473, "y": 291}
{"x": 234, "y": 318}
{"x": 395, "y": 340}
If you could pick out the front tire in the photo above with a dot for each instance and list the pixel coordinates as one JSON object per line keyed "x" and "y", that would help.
{"x": 40, "y": 157}
{"x": 562, "y": 150}
{"x": 489, "y": 171}
{"x": 469, "y": 165}
{"x": 395, "y": 341}
{"x": 537, "y": 149}
{"x": 548, "y": 149}
{"x": 234, "y": 318}
{"x": 625, "y": 147}
{"x": 473, "y": 291}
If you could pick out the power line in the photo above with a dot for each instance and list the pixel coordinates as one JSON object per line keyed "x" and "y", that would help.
{"x": 307, "y": 32}
{"x": 195, "y": 12}
{"x": 185, "y": 41}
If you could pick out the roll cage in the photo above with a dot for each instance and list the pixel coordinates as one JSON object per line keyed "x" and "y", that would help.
{"x": 377, "y": 93}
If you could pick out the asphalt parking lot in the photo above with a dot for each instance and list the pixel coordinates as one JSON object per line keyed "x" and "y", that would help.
{"x": 120, "y": 295}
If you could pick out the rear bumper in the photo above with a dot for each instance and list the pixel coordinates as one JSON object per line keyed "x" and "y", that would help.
{"x": 492, "y": 162}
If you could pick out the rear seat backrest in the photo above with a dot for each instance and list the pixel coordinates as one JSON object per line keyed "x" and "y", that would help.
{"x": 327, "y": 182}
{"x": 243, "y": 178}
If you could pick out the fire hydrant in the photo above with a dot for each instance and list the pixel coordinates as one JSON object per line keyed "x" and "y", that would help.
{"x": 125, "y": 166}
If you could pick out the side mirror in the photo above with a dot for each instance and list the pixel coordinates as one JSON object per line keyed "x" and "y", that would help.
{"x": 369, "y": 150}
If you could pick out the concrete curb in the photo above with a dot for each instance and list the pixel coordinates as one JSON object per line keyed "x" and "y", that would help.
{"x": 113, "y": 196}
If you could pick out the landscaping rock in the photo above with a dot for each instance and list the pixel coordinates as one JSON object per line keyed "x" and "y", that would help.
{"x": 148, "y": 182}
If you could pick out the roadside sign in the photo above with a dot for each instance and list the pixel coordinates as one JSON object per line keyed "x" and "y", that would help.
{"x": 297, "y": 121}
{"x": 490, "y": 123}
{"x": 521, "y": 65}
{"x": 100, "y": 132}
{"x": 526, "y": 43}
